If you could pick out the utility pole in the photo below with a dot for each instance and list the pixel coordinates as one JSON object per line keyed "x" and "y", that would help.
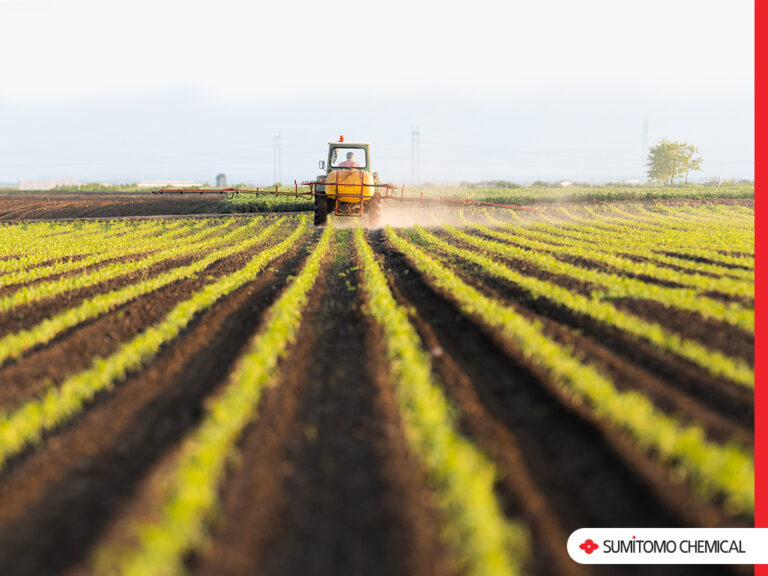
{"x": 645, "y": 143}
{"x": 415, "y": 157}
{"x": 277, "y": 166}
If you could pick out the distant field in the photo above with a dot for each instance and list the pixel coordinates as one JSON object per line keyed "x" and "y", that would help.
{"x": 73, "y": 204}
{"x": 231, "y": 394}
{"x": 245, "y": 203}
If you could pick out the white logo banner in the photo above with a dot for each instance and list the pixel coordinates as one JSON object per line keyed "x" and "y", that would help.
{"x": 669, "y": 546}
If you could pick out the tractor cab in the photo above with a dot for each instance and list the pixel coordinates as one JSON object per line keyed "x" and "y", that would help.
{"x": 348, "y": 187}
{"x": 348, "y": 156}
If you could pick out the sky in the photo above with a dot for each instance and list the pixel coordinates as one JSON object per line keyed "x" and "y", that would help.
{"x": 119, "y": 91}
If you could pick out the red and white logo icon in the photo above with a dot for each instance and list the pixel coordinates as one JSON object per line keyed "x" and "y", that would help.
{"x": 589, "y": 546}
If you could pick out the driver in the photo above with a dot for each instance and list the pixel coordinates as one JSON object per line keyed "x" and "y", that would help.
{"x": 350, "y": 161}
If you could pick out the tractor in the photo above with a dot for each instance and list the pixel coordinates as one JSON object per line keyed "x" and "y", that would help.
{"x": 348, "y": 187}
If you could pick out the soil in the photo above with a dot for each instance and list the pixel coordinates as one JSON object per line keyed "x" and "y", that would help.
{"x": 733, "y": 401}
{"x": 45, "y": 206}
{"x": 324, "y": 482}
{"x": 348, "y": 499}
{"x": 712, "y": 333}
{"x": 556, "y": 441}
{"x": 9, "y": 289}
{"x": 89, "y": 468}
{"x": 75, "y": 349}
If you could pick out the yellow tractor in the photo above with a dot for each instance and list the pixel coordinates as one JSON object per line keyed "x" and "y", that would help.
{"x": 349, "y": 187}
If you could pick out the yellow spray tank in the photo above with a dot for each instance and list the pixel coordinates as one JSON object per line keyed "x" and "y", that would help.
{"x": 349, "y": 185}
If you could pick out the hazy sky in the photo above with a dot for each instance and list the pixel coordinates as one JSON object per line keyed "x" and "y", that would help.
{"x": 122, "y": 90}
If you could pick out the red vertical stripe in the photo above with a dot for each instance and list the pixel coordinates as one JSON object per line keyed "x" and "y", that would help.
{"x": 761, "y": 283}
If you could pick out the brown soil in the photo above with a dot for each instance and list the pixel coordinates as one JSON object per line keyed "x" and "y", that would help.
{"x": 704, "y": 260}
{"x": 90, "y": 467}
{"x": 74, "y": 350}
{"x": 11, "y": 288}
{"x": 714, "y": 334}
{"x": 28, "y": 315}
{"x": 557, "y": 441}
{"x": 73, "y": 258}
{"x": 6, "y": 290}
{"x": 520, "y": 493}
{"x": 643, "y": 259}
{"x": 52, "y": 206}
{"x": 324, "y": 482}
{"x": 527, "y": 268}
{"x": 593, "y": 265}
{"x": 330, "y": 486}
{"x": 733, "y": 401}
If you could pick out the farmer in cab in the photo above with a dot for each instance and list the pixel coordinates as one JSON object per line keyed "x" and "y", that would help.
{"x": 350, "y": 161}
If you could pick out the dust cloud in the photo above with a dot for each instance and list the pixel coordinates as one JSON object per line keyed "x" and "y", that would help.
{"x": 406, "y": 216}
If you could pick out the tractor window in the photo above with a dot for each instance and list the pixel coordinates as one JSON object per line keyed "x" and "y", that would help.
{"x": 348, "y": 158}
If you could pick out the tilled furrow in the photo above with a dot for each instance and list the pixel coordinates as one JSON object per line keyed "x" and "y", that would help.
{"x": 31, "y": 374}
{"x": 28, "y": 315}
{"x": 90, "y": 468}
{"x": 732, "y": 402}
{"x": 328, "y": 483}
{"x": 588, "y": 474}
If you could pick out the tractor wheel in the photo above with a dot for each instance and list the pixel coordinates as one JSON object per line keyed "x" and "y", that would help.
{"x": 321, "y": 210}
{"x": 374, "y": 211}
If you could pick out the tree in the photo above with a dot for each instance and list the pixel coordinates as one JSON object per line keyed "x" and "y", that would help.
{"x": 668, "y": 161}
{"x": 688, "y": 162}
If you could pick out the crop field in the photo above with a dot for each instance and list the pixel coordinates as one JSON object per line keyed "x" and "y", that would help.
{"x": 131, "y": 201}
{"x": 251, "y": 395}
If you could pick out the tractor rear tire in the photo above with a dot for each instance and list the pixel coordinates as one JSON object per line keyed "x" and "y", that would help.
{"x": 374, "y": 211}
{"x": 321, "y": 210}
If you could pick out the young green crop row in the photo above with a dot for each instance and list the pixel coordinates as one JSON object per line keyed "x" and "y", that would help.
{"x": 712, "y": 242}
{"x": 714, "y": 469}
{"x": 579, "y": 249}
{"x": 192, "y": 487}
{"x": 612, "y": 285}
{"x": 66, "y": 246}
{"x": 714, "y": 362}
{"x": 704, "y": 216}
{"x": 719, "y": 233}
{"x": 634, "y": 219}
{"x": 687, "y": 247}
{"x": 14, "y": 345}
{"x": 200, "y": 242}
{"x": 27, "y": 424}
{"x": 474, "y": 528}
{"x": 70, "y": 242}
{"x": 619, "y": 244}
{"x": 18, "y": 240}
{"x": 126, "y": 247}
{"x": 662, "y": 217}
{"x": 712, "y": 236}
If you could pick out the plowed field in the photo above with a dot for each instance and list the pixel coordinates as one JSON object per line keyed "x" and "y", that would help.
{"x": 252, "y": 395}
